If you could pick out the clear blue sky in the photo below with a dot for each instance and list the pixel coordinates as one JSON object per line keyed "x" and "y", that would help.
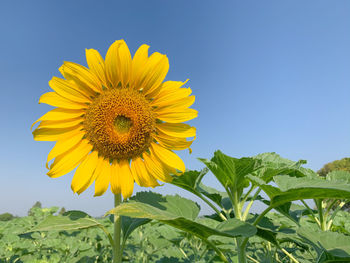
{"x": 267, "y": 75}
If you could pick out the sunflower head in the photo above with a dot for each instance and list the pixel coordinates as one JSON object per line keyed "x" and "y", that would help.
{"x": 117, "y": 121}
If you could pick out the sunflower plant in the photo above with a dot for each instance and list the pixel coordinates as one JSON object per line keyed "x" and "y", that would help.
{"x": 117, "y": 122}
{"x": 236, "y": 234}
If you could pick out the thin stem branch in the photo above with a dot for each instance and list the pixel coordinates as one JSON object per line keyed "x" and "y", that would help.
{"x": 252, "y": 259}
{"x": 117, "y": 252}
{"x": 245, "y": 197}
{"x": 218, "y": 251}
{"x": 289, "y": 255}
{"x": 334, "y": 214}
{"x": 311, "y": 212}
{"x": 246, "y": 211}
{"x": 245, "y": 240}
{"x": 212, "y": 206}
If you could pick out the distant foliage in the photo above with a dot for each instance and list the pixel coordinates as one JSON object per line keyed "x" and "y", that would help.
{"x": 337, "y": 165}
{"x": 6, "y": 217}
{"x": 62, "y": 211}
{"x": 36, "y": 205}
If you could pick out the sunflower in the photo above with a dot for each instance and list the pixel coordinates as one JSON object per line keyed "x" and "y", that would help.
{"x": 116, "y": 121}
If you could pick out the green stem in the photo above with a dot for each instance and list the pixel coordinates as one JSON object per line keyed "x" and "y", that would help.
{"x": 236, "y": 205}
{"x": 289, "y": 255}
{"x": 245, "y": 240}
{"x": 218, "y": 251}
{"x": 246, "y": 211}
{"x": 252, "y": 259}
{"x": 311, "y": 212}
{"x": 241, "y": 251}
{"x": 245, "y": 197}
{"x": 117, "y": 252}
{"x": 334, "y": 214}
{"x": 320, "y": 214}
{"x": 230, "y": 195}
{"x": 213, "y": 207}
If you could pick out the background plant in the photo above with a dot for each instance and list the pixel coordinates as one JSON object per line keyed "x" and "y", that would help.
{"x": 158, "y": 228}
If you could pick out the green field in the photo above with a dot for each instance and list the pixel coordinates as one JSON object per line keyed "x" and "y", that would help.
{"x": 158, "y": 228}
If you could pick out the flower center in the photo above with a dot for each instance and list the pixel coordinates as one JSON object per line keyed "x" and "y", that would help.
{"x": 122, "y": 124}
{"x": 119, "y": 124}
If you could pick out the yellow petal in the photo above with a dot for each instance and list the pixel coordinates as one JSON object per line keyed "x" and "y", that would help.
{"x": 175, "y": 104}
{"x": 67, "y": 161}
{"x": 96, "y": 65}
{"x": 171, "y": 91}
{"x": 153, "y": 73}
{"x": 60, "y": 114}
{"x": 168, "y": 157}
{"x": 156, "y": 168}
{"x": 138, "y": 63}
{"x": 176, "y": 116}
{"x": 93, "y": 177}
{"x": 141, "y": 175}
{"x": 170, "y": 86}
{"x": 67, "y": 90}
{"x": 122, "y": 180}
{"x": 115, "y": 178}
{"x": 180, "y": 130}
{"x": 61, "y": 124}
{"x": 64, "y": 144}
{"x": 82, "y": 77}
{"x": 103, "y": 178}
{"x": 118, "y": 63}
{"x": 47, "y": 134}
{"x": 84, "y": 172}
{"x": 53, "y": 99}
{"x": 172, "y": 142}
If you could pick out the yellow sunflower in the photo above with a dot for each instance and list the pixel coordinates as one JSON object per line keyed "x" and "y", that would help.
{"x": 117, "y": 121}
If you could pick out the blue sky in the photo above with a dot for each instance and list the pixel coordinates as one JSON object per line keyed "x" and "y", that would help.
{"x": 267, "y": 75}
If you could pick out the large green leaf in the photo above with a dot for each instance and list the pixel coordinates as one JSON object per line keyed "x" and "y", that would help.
{"x": 273, "y": 164}
{"x": 292, "y": 188}
{"x": 191, "y": 181}
{"x": 179, "y": 213}
{"x": 71, "y": 220}
{"x": 327, "y": 257}
{"x": 237, "y": 227}
{"x": 218, "y": 197}
{"x": 130, "y": 224}
{"x": 342, "y": 176}
{"x": 336, "y": 244}
{"x": 173, "y": 204}
{"x": 231, "y": 172}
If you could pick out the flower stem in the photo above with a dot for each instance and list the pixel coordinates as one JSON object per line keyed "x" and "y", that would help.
{"x": 117, "y": 253}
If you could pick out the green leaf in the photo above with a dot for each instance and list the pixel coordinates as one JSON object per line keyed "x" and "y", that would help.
{"x": 130, "y": 224}
{"x": 231, "y": 172}
{"x": 72, "y": 220}
{"x": 326, "y": 257}
{"x": 173, "y": 204}
{"x": 336, "y": 244}
{"x": 216, "y": 196}
{"x": 273, "y": 164}
{"x": 339, "y": 176}
{"x": 191, "y": 181}
{"x": 179, "y": 213}
{"x": 237, "y": 227}
{"x": 292, "y": 188}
